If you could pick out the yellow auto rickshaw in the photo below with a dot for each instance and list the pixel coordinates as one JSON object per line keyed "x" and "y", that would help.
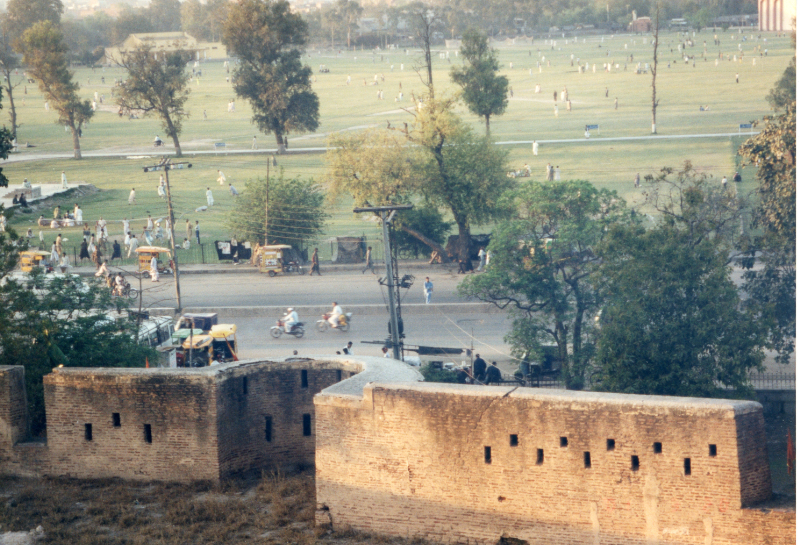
{"x": 146, "y": 254}
{"x": 277, "y": 259}
{"x": 218, "y": 345}
{"x": 32, "y": 258}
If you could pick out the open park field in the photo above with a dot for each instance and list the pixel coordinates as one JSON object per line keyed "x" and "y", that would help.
{"x": 115, "y": 148}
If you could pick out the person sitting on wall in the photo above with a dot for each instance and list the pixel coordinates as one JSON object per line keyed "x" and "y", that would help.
{"x": 493, "y": 374}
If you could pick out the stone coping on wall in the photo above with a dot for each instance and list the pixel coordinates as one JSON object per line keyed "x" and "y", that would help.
{"x": 368, "y": 369}
{"x": 571, "y": 397}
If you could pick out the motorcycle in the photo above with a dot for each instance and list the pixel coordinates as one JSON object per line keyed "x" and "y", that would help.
{"x": 344, "y": 323}
{"x": 125, "y": 291}
{"x": 278, "y": 329}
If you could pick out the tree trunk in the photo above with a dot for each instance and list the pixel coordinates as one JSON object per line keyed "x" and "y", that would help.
{"x": 428, "y": 242}
{"x": 76, "y": 141}
{"x": 281, "y": 144}
{"x": 655, "y": 66}
{"x": 487, "y": 124}
{"x": 464, "y": 240}
{"x": 174, "y": 134}
{"x": 12, "y": 110}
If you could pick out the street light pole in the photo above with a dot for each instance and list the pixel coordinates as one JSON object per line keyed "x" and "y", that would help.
{"x": 386, "y": 213}
{"x": 166, "y": 165}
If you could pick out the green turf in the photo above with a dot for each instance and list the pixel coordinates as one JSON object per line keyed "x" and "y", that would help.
{"x": 682, "y": 88}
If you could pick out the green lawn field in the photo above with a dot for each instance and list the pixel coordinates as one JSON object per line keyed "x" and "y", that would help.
{"x": 682, "y": 88}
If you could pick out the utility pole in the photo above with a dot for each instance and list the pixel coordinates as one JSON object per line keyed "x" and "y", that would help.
{"x": 166, "y": 165}
{"x": 266, "y": 212}
{"x": 387, "y": 213}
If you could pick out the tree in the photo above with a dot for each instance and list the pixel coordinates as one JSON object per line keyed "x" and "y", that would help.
{"x": 654, "y": 68}
{"x": 157, "y": 84}
{"x": 672, "y": 320}
{"x": 9, "y": 62}
{"x": 440, "y": 160}
{"x": 424, "y": 22}
{"x": 772, "y": 285}
{"x": 425, "y": 220}
{"x": 297, "y": 213}
{"x": 165, "y": 15}
{"x": 484, "y": 92}
{"x": 540, "y": 270}
{"x": 269, "y": 41}
{"x": 346, "y": 13}
{"x": 22, "y": 14}
{"x": 46, "y": 56}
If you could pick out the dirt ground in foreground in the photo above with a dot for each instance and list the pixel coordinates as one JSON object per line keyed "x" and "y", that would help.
{"x": 270, "y": 508}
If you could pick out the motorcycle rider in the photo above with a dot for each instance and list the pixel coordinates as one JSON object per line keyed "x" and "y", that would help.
{"x": 290, "y": 320}
{"x": 333, "y": 318}
{"x": 119, "y": 284}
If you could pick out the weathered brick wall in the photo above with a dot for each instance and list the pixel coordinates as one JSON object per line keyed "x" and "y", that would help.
{"x": 270, "y": 420}
{"x": 470, "y": 464}
{"x": 754, "y": 469}
{"x": 168, "y": 424}
{"x": 145, "y": 424}
{"x": 13, "y": 411}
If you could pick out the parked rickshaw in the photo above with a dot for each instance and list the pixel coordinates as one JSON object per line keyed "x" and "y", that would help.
{"x": 218, "y": 345}
{"x": 146, "y": 254}
{"x": 33, "y": 258}
{"x": 277, "y": 259}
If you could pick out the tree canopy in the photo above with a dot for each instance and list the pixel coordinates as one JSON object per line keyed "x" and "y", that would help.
{"x": 297, "y": 213}
{"x": 45, "y": 54}
{"x": 672, "y": 321}
{"x": 541, "y": 262}
{"x": 484, "y": 92}
{"x": 269, "y": 41}
{"x": 22, "y": 14}
{"x": 157, "y": 85}
{"x": 438, "y": 159}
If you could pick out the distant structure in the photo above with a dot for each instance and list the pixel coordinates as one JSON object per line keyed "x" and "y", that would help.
{"x": 167, "y": 42}
{"x": 777, "y": 15}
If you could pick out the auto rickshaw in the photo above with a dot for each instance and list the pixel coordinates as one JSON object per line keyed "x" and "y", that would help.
{"x": 218, "y": 345}
{"x": 146, "y": 254}
{"x": 32, "y": 258}
{"x": 277, "y": 259}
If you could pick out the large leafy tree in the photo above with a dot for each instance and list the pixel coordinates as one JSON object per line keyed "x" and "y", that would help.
{"x": 770, "y": 279}
{"x": 45, "y": 53}
{"x": 165, "y": 15}
{"x": 22, "y": 14}
{"x": 269, "y": 40}
{"x": 672, "y": 321}
{"x": 296, "y": 214}
{"x": 438, "y": 159}
{"x": 484, "y": 92}
{"x": 157, "y": 84}
{"x": 540, "y": 268}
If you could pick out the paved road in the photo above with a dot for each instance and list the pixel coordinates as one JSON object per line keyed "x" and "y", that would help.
{"x": 148, "y": 151}
{"x": 248, "y": 289}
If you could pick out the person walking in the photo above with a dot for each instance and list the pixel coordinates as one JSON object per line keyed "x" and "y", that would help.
{"x": 368, "y": 261}
{"x": 221, "y": 178}
{"x": 188, "y": 229}
{"x": 427, "y": 289}
{"x": 535, "y": 147}
{"x": 479, "y": 368}
{"x": 636, "y": 180}
{"x": 64, "y": 180}
{"x": 233, "y": 191}
{"x": 132, "y": 196}
{"x": 84, "y": 251}
{"x": 154, "y": 269}
{"x": 134, "y": 243}
{"x": 482, "y": 258}
{"x": 493, "y": 374}
{"x": 315, "y": 263}
{"x": 557, "y": 174}
{"x": 255, "y": 145}
{"x": 209, "y": 197}
{"x": 197, "y": 230}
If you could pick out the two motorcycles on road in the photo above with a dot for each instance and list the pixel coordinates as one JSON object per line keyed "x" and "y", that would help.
{"x": 298, "y": 329}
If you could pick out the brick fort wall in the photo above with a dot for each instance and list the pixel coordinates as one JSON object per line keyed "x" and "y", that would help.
{"x": 474, "y": 464}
